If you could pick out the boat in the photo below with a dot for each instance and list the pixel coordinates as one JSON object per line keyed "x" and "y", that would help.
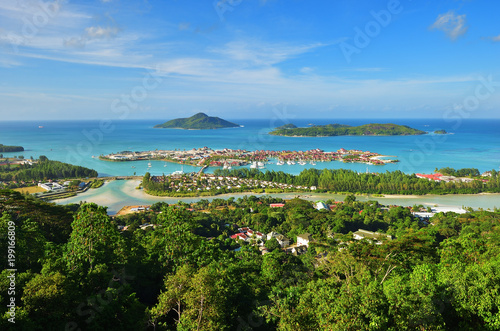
{"x": 313, "y": 163}
{"x": 149, "y": 164}
{"x": 280, "y": 163}
{"x": 302, "y": 163}
{"x": 179, "y": 172}
{"x": 226, "y": 166}
{"x": 165, "y": 164}
{"x": 261, "y": 165}
{"x": 40, "y": 126}
{"x": 133, "y": 167}
{"x": 253, "y": 165}
{"x": 290, "y": 162}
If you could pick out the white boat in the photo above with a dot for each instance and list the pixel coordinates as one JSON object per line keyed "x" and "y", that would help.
{"x": 179, "y": 172}
{"x": 290, "y": 162}
{"x": 149, "y": 164}
{"x": 280, "y": 163}
{"x": 312, "y": 163}
{"x": 302, "y": 163}
{"x": 226, "y": 166}
{"x": 253, "y": 165}
{"x": 165, "y": 164}
{"x": 260, "y": 164}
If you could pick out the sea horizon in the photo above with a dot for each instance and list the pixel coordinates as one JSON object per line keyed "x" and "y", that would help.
{"x": 471, "y": 143}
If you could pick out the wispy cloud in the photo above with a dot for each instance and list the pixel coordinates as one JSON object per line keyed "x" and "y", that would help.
{"x": 494, "y": 38}
{"x": 451, "y": 24}
{"x": 258, "y": 53}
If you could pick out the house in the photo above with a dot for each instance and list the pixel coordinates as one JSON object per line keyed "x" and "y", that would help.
{"x": 371, "y": 236}
{"x": 320, "y": 205}
{"x": 239, "y": 236}
{"x": 277, "y": 205}
{"x": 282, "y": 240}
{"x": 297, "y": 250}
{"x": 304, "y": 239}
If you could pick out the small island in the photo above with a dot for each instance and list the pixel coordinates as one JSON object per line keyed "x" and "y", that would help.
{"x": 440, "y": 132}
{"x": 329, "y": 130}
{"x": 199, "y": 121}
{"x": 6, "y": 149}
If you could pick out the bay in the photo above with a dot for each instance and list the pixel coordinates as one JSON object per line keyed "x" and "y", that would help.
{"x": 473, "y": 143}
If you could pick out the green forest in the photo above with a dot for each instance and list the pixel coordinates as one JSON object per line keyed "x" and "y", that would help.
{"x": 42, "y": 170}
{"x": 76, "y": 271}
{"x": 6, "y": 149}
{"x": 328, "y": 130}
{"x": 396, "y": 182}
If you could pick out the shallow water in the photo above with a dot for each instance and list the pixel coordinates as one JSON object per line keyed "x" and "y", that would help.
{"x": 119, "y": 193}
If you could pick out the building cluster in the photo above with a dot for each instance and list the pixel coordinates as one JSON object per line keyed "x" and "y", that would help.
{"x": 438, "y": 177}
{"x": 257, "y": 238}
{"x": 207, "y": 182}
{"x": 240, "y": 157}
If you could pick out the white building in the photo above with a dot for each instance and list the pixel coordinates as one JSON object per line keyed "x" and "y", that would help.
{"x": 50, "y": 186}
{"x": 304, "y": 239}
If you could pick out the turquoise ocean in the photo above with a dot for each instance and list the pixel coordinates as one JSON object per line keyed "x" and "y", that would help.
{"x": 471, "y": 143}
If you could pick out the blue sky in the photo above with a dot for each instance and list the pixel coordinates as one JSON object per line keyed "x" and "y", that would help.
{"x": 249, "y": 59}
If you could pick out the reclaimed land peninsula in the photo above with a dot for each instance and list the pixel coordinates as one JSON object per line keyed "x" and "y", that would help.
{"x": 330, "y": 130}
{"x": 198, "y": 121}
{"x": 207, "y": 157}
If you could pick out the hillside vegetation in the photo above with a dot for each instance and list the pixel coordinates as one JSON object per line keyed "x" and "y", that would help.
{"x": 328, "y": 130}
{"x": 6, "y": 149}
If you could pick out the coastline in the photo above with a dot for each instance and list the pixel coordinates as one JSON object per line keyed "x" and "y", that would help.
{"x": 118, "y": 193}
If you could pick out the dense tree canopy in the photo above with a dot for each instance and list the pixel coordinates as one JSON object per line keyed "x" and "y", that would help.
{"x": 184, "y": 272}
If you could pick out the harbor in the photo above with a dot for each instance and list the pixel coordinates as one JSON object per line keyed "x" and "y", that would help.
{"x": 228, "y": 158}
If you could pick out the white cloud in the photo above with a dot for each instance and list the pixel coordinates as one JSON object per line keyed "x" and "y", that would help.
{"x": 97, "y": 32}
{"x": 451, "y": 24}
{"x": 306, "y": 70}
{"x": 257, "y": 53}
{"x": 495, "y": 38}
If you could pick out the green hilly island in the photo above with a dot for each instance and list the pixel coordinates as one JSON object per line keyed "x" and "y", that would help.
{"x": 199, "y": 121}
{"x": 329, "y": 130}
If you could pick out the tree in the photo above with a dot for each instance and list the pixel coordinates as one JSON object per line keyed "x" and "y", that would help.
{"x": 174, "y": 240}
{"x": 196, "y": 298}
{"x": 349, "y": 199}
{"x": 94, "y": 240}
{"x": 272, "y": 244}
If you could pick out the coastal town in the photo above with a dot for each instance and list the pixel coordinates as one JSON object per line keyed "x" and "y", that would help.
{"x": 209, "y": 184}
{"x": 228, "y": 158}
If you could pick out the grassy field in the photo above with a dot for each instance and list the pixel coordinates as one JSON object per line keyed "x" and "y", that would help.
{"x": 30, "y": 189}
